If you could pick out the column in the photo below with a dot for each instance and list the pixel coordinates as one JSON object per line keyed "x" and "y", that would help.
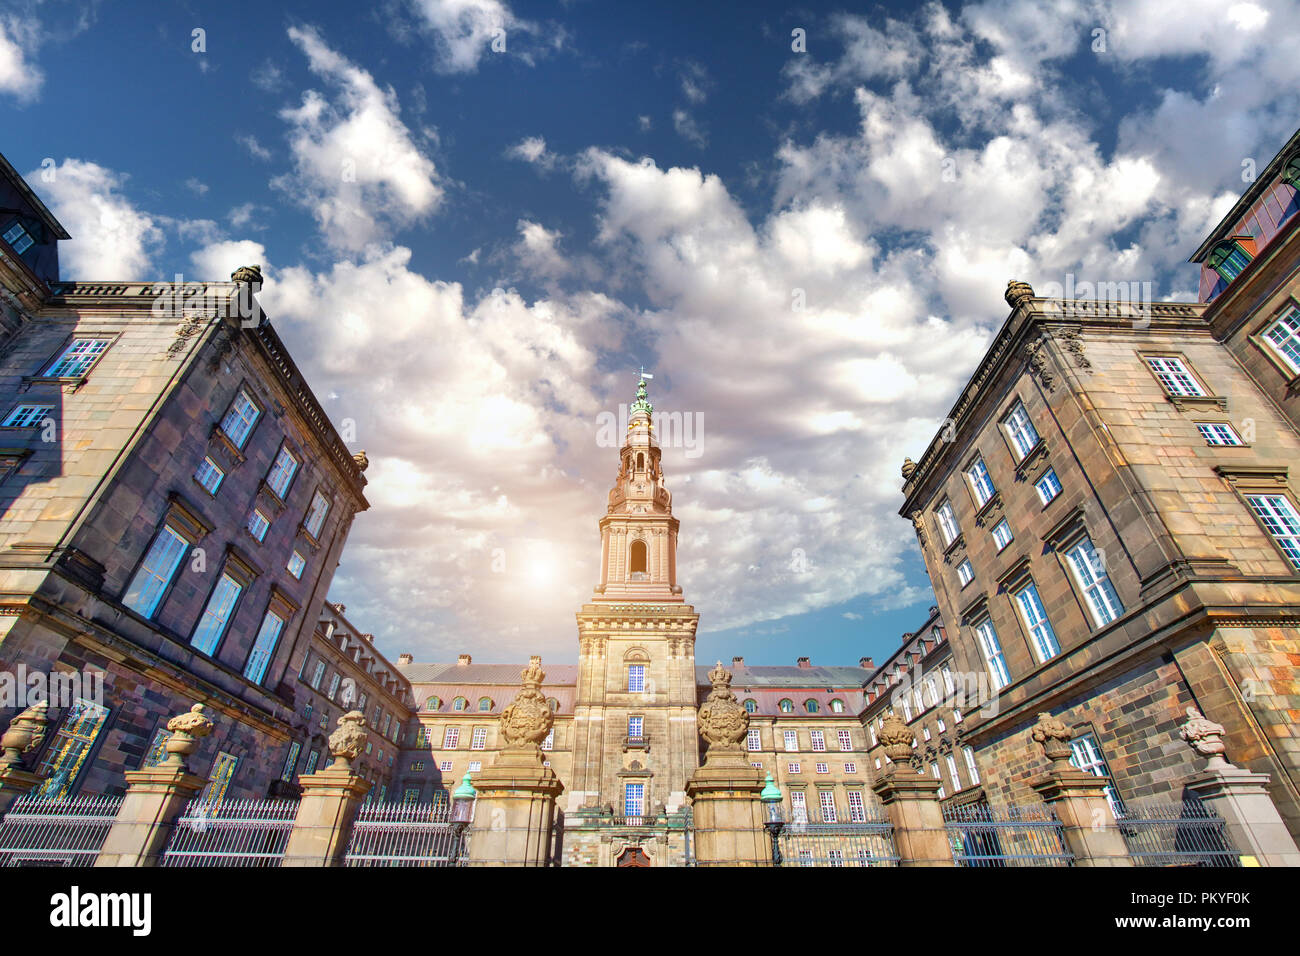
{"x": 911, "y": 800}
{"x": 726, "y": 791}
{"x": 330, "y": 800}
{"x": 1079, "y": 799}
{"x": 1253, "y": 823}
{"x": 515, "y": 811}
{"x": 156, "y": 797}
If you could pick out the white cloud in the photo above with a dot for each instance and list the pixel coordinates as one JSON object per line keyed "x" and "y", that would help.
{"x": 689, "y": 129}
{"x": 111, "y": 238}
{"x": 532, "y": 149}
{"x": 464, "y": 30}
{"x": 356, "y": 166}
{"x": 538, "y": 250}
{"x": 196, "y": 186}
{"x": 219, "y": 259}
{"x": 20, "y": 77}
{"x": 250, "y": 143}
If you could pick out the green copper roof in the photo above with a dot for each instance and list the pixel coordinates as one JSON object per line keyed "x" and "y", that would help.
{"x": 642, "y": 404}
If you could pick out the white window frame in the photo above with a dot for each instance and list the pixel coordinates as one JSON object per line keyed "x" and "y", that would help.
{"x": 754, "y": 740}
{"x": 1277, "y": 513}
{"x": 78, "y": 358}
{"x": 205, "y": 473}
{"x": 1048, "y": 486}
{"x": 296, "y": 565}
{"x": 1041, "y": 635}
{"x": 965, "y": 572}
{"x": 258, "y": 525}
{"x": 478, "y": 738}
{"x": 27, "y": 415}
{"x": 995, "y": 661}
{"x": 947, "y": 519}
{"x": 450, "y": 738}
{"x": 845, "y": 738}
{"x": 798, "y": 807}
{"x": 981, "y": 482}
{"x": 951, "y": 761}
{"x": 241, "y": 418}
{"x": 268, "y": 638}
{"x": 826, "y": 803}
{"x": 1174, "y": 376}
{"x": 215, "y": 619}
{"x": 282, "y": 472}
{"x": 818, "y": 739}
{"x": 1020, "y": 429}
{"x": 793, "y": 766}
{"x": 19, "y": 238}
{"x": 791, "y": 738}
{"x": 1098, "y": 591}
{"x": 822, "y": 768}
{"x": 636, "y": 726}
{"x": 972, "y": 768}
{"x": 634, "y": 800}
{"x": 1283, "y": 336}
{"x": 316, "y": 514}
{"x": 1086, "y": 755}
{"x": 156, "y": 571}
{"x": 1219, "y": 433}
{"x": 1002, "y": 535}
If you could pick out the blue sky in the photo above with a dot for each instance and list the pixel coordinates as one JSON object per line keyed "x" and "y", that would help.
{"x": 470, "y": 252}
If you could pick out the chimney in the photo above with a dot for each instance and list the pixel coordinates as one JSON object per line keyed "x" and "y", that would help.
{"x": 737, "y": 662}
{"x": 463, "y": 660}
{"x": 866, "y": 663}
{"x": 405, "y": 659}
{"x": 804, "y": 662}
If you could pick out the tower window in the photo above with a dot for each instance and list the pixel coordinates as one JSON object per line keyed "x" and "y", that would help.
{"x": 638, "y": 563}
{"x": 636, "y": 678}
{"x": 640, "y": 462}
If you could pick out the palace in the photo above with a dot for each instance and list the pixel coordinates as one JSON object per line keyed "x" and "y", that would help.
{"x": 1108, "y": 519}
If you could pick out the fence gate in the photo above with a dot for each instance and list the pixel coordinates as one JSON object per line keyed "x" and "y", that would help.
{"x": 870, "y": 843}
{"x": 231, "y": 833}
{"x": 405, "y": 834}
{"x": 982, "y": 835}
{"x": 1173, "y": 834}
{"x": 38, "y": 831}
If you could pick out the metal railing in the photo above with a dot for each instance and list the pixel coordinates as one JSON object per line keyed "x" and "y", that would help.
{"x": 38, "y": 831}
{"x": 410, "y": 834}
{"x": 869, "y": 843}
{"x": 982, "y": 835}
{"x": 231, "y": 833}
{"x": 1176, "y": 834}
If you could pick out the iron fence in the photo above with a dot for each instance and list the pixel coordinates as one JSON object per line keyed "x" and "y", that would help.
{"x": 231, "y": 833}
{"x": 869, "y": 843}
{"x": 409, "y": 834}
{"x": 1174, "y": 834}
{"x": 982, "y": 835}
{"x": 38, "y": 831}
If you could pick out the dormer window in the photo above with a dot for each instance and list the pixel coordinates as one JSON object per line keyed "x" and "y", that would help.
{"x": 1291, "y": 172}
{"x": 1228, "y": 258}
{"x": 19, "y": 239}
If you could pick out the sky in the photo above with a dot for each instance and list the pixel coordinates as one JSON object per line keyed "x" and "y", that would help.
{"x": 478, "y": 219}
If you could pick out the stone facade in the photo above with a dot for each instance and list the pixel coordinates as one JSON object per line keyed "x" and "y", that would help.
{"x": 122, "y": 554}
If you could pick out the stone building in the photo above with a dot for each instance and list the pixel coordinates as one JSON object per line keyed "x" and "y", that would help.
{"x": 173, "y": 505}
{"x": 344, "y": 671}
{"x": 1109, "y": 519}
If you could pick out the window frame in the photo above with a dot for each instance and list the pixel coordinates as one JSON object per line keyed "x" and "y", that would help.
{"x": 1038, "y": 486}
{"x": 993, "y": 655}
{"x": 1041, "y": 635}
{"x": 283, "y": 451}
{"x": 1211, "y": 433}
{"x": 42, "y": 409}
{"x": 242, "y": 391}
{"x": 1187, "y": 370}
{"x": 977, "y": 475}
{"x": 1261, "y": 521}
{"x": 48, "y": 368}
{"x": 1012, "y": 434}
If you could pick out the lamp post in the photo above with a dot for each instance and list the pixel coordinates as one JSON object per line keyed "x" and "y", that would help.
{"x": 462, "y": 812}
{"x": 773, "y": 816}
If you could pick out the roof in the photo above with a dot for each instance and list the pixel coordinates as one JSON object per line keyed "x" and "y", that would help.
{"x": 1262, "y": 181}
{"x": 484, "y": 673}
{"x": 47, "y": 217}
{"x": 788, "y": 676}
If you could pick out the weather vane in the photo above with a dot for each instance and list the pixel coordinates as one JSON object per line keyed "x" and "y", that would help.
{"x": 645, "y": 374}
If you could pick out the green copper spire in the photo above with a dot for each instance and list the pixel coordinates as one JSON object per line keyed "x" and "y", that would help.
{"x": 642, "y": 404}
{"x": 771, "y": 792}
{"x": 466, "y": 790}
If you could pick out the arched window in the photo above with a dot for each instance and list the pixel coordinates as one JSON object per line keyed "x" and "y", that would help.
{"x": 484, "y": 704}
{"x": 433, "y": 703}
{"x": 552, "y": 703}
{"x": 751, "y": 706}
{"x": 1291, "y": 172}
{"x": 460, "y": 703}
{"x": 1228, "y": 258}
{"x": 637, "y": 560}
{"x": 837, "y": 706}
{"x": 640, "y": 461}
{"x": 787, "y": 706}
{"x": 810, "y": 706}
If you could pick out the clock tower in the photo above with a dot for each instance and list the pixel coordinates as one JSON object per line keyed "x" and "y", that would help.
{"x": 635, "y": 740}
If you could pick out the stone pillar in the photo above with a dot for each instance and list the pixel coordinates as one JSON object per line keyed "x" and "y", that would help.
{"x": 25, "y": 733}
{"x": 725, "y": 792}
{"x": 515, "y": 810}
{"x": 912, "y": 801}
{"x": 1079, "y": 799}
{"x": 1239, "y": 796}
{"x": 330, "y": 800}
{"x": 156, "y": 797}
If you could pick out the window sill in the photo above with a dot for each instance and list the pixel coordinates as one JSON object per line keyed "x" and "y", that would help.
{"x": 219, "y": 435}
{"x": 1184, "y": 402}
{"x": 68, "y": 383}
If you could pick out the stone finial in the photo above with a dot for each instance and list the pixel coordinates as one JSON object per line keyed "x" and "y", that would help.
{"x": 250, "y": 275}
{"x": 908, "y": 469}
{"x": 918, "y": 523}
{"x": 25, "y": 733}
{"x": 897, "y": 738}
{"x": 1054, "y": 736}
{"x": 723, "y": 720}
{"x": 528, "y": 718}
{"x": 1018, "y": 292}
{"x": 188, "y": 729}
{"x": 347, "y": 742}
{"x": 362, "y": 461}
{"x": 1205, "y": 737}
